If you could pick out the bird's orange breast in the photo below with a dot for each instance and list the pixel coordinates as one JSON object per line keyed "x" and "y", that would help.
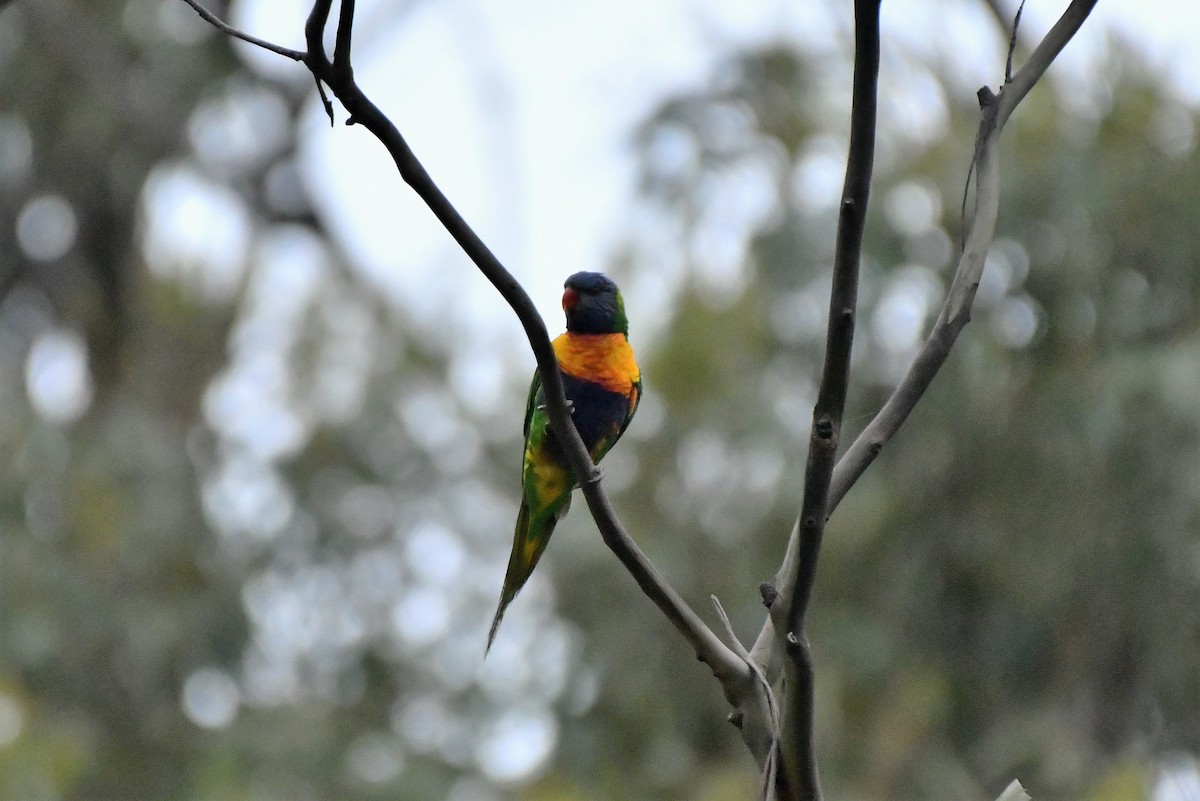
{"x": 604, "y": 359}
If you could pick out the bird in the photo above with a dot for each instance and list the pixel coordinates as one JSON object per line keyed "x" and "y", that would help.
{"x": 603, "y": 387}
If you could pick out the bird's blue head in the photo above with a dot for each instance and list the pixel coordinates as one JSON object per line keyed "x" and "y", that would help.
{"x": 593, "y": 305}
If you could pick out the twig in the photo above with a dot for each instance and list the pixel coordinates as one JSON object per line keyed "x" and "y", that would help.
{"x": 768, "y": 711}
{"x": 341, "y": 42}
{"x": 1012, "y": 43}
{"x": 215, "y": 21}
{"x": 1042, "y": 57}
{"x": 314, "y": 35}
{"x": 325, "y": 101}
{"x": 1008, "y": 66}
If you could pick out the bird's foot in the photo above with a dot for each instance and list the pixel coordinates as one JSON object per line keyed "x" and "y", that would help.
{"x": 597, "y": 474}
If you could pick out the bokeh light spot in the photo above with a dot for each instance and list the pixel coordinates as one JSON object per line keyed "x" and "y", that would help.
{"x": 1015, "y": 322}
{"x": 375, "y": 758}
{"x": 517, "y": 744}
{"x": 197, "y": 231}
{"x": 434, "y": 553}
{"x": 421, "y": 616}
{"x": 211, "y": 698}
{"x": 57, "y": 376}
{"x": 11, "y": 720}
{"x": 46, "y": 228}
{"x": 16, "y": 149}
{"x": 912, "y": 207}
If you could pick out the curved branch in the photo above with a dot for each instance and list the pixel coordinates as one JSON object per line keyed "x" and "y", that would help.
{"x": 1042, "y": 57}
{"x": 736, "y": 676}
{"x": 362, "y": 111}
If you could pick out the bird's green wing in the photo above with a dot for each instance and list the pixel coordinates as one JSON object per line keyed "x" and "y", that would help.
{"x": 535, "y": 389}
{"x": 545, "y": 495}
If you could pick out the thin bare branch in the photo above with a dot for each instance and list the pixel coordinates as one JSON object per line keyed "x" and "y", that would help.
{"x": 725, "y": 664}
{"x": 341, "y": 42}
{"x": 314, "y": 34}
{"x": 215, "y": 21}
{"x": 759, "y": 722}
{"x": 709, "y": 648}
{"x": 1042, "y": 57}
{"x": 793, "y": 589}
{"x": 843, "y": 301}
{"x": 1012, "y": 43}
{"x": 326, "y": 103}
{"x": 735, "y": 675}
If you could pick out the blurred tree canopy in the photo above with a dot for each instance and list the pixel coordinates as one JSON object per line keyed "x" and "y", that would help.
{"x": 253, "y": 517}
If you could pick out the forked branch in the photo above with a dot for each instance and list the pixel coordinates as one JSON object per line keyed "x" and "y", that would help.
{"x": 995, "y": 109}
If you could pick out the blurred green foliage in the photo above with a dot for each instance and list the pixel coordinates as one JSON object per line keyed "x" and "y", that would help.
{"x": 250, "y": 552}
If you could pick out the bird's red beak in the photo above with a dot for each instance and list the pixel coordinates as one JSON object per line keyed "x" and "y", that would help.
{"x": 570, "y": 298}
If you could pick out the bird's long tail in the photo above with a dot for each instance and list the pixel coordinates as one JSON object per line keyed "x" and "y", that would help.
{"x": 528, "y": 546}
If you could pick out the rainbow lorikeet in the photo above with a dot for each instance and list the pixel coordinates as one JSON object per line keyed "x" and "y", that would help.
{"x": 603, "y": 386}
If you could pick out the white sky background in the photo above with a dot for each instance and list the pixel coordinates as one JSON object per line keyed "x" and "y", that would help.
{"x": 522, "y": 111}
